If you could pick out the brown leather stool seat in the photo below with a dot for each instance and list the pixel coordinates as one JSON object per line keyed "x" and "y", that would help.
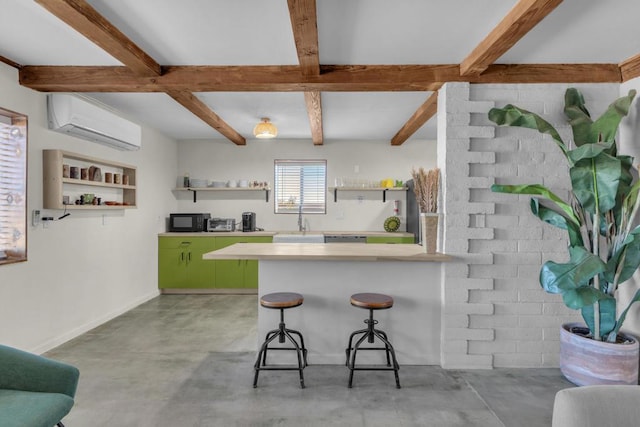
{"x": 281, "y": 301}
{"x": 371, "y": 302}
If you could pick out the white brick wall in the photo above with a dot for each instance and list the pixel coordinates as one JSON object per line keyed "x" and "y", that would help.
{"x": 495, "y": 312}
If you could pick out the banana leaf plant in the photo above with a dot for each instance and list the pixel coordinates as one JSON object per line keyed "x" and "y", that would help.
{"x": 599, "y": 217}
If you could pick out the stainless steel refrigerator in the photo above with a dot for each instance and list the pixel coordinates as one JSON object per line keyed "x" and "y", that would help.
{"x": 412, "y": 211}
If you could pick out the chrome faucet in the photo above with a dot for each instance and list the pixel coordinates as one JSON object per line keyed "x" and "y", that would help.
{"x": 300, "y": 226}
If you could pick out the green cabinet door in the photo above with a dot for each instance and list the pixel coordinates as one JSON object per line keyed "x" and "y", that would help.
{"x": 390, "y": 239}
{"x": 180, "y": 263}
{"x": 200, "y": 273}
{"x": 172, "y": 266}
{"x": 237, "y": 273}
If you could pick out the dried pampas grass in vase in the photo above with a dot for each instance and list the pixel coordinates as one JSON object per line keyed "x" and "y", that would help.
{"x": 426, "y": 186}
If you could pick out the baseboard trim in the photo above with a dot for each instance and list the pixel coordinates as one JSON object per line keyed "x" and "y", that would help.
{"x": 48, "y": 345}
{"x": 208, "y": 291}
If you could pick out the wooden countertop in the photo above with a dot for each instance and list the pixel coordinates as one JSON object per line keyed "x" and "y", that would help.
{"x": 273, "y": 233}
{"x": 219, "y": 234}
{"x": 326, "y": 252}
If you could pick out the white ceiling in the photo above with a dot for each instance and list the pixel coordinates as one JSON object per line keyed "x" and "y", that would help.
{"x": 258, "y": 32}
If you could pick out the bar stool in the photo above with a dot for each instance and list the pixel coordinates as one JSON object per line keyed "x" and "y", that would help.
{"x": 281, "y": 301}
{"x": 371, "y": 302}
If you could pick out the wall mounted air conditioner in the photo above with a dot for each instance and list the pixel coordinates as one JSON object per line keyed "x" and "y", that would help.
{"x": 78, "y": 117}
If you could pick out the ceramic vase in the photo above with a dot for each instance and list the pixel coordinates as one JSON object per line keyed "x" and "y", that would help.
{"x": 429, "y": 232}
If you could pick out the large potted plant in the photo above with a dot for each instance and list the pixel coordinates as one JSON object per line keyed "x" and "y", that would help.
{"x": 604, "y": 244}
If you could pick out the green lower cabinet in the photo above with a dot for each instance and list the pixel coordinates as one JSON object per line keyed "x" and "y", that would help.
{"x": 237, "y": 273}
{"x": 390, "y": 239}
{"x": 180, "y": 263}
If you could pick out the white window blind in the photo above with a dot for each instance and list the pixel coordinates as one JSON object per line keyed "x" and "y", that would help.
{"x": 300, "y": 183}
{"x": 13, "y": 187}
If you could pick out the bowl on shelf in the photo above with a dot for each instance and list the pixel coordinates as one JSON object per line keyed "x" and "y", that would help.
{"x": 197, "y": 183}
{"x": 243, "y": 183}
{"x": 218, "y": 184}
{"x": 232, "y": 183}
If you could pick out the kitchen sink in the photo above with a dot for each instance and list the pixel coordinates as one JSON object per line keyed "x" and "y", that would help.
{"x": 298, "y": 238}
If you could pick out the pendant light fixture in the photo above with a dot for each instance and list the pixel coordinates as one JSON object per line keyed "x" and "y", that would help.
{"x": 265, "y": 129}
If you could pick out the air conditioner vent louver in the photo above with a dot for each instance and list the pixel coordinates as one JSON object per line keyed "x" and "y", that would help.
{"x": 80, "y": 118}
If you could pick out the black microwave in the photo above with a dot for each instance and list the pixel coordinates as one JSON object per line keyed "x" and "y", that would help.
{"x": 188, "y": 222}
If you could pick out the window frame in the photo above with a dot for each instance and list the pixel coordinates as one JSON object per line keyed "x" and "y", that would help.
{"x": 314, "y": 208}
{"x": 17, "y": 191}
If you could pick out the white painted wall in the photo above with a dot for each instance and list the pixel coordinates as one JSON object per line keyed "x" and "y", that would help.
{"x": 630, "y": 144}
{"x": 495, "y": 312}
{"x": 222, "y": 160}
{"x": 83, "y": 270}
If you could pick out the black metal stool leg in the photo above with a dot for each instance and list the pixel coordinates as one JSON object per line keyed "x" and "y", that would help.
{"x": 267, "y": 338}
{"x": 263, "y": 349}
{"x": 384, "y": 334}
{"x": 352, "y": 364}
{"x": 282, "y": 334}
{"x": 300, "y": 357}
{"x": 350, "y": 346}
{"x": 389, "y": 347}
{"x": 369, "y": 334}
{"x": 304, "y": 349}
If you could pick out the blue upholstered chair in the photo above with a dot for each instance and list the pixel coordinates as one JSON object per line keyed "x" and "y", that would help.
{"x": 34, "y": 391}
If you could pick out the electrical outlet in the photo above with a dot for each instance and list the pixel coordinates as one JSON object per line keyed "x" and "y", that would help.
{"x": 35, "y": 217}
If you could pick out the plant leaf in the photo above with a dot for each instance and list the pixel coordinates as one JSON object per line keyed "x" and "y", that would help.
{"x": 631, "y": 250}
{"x": 560, "y": 278}
{"x": 627, "y": 193}
{"x": 583, "y": 296}
{"x": 607, "y": 316}
{"x": 510, "y": 115}
{"x": 606, "y": 126}
{"x": 579, "y": 117}
{"x": 623, "y": 315}
{"x": 586, "y": 131}
{"x": 595, "y": 179}
{"x": 557, "y": 219}
{"x": 538, "y": 190}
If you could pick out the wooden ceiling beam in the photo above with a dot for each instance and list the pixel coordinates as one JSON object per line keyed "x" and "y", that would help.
{"x": 10, "y": 62}
{"x": 417, "y": 120}
{"x": 87, "y": 21}
{"x": 314, "y": 110}
{"x": 200, "y": 109}
{"x": 305, "y": 33}
{"x": 525, "y": 15}
{"x": 82, "y": 17}
{"x": 333, "y": 78}
{"x": 548, "y": 73}
{"x": 304, "y": 22}
{"x": 630, "y": 68}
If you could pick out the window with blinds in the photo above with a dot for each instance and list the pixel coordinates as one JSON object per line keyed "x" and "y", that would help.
{"x": 300, "y": 183}
{"x": 13, "y": 187}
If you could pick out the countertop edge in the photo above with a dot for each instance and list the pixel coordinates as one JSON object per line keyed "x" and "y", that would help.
{"x": 273, "y": 233}
{"x": 326, "y": 252}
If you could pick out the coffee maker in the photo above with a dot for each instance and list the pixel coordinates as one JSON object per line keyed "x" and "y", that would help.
{"x": 248, "y": 221}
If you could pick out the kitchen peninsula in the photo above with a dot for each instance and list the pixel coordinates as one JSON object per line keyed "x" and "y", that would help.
{"x": 328, "y": 274}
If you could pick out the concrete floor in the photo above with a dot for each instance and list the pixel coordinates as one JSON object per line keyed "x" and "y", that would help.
{"x": 187, "y": 360}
